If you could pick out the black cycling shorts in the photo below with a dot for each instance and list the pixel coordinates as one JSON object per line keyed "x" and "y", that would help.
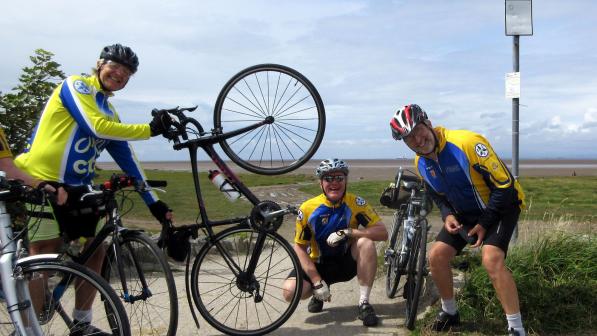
{"x": 75, "y": 218}
{"x": 497, "y": 235}
{"x": 333, "y": 269}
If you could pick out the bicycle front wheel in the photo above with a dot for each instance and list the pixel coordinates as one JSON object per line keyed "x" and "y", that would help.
{"x": 292, "y": 112}
{"x": 236, "y": 302}
{"x": 393, "y": 265}
{"x": 149, "y": 298}
{"x": 53, "y": 285}
{"x": 416, "y": 272}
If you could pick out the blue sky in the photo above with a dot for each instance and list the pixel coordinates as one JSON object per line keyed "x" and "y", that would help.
{"x": 366, "y": 58}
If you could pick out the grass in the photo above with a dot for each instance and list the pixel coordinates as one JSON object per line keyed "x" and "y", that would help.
{"x": 556, "y": 276}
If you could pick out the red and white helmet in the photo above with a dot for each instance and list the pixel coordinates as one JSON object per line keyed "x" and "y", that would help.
{"x": 405, "y": 120}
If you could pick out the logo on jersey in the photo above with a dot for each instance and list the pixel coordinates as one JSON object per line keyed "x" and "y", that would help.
{"x": 299, "y": 217}
{"x": 481, "y": 150}
{"x": 81, "y": 87}
{"x": 360, "y": 201}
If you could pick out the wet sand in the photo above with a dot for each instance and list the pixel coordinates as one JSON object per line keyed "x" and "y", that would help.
{"x": 386, "y": 169}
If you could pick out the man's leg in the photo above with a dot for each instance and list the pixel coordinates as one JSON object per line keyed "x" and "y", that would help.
{"x": 289, "y": 287}
{"x": 440, "y": 257}
{"x": 85, "y": 293}
{"x": 364, "y": 253}
{"x": 37, "y": 287}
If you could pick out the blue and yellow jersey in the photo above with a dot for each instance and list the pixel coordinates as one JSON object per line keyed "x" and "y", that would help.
{"x": 76, "y": 125}
{"x": 4, "y": 148}
{"x": 318, "y": 218}
{"x": 470, "y": 176}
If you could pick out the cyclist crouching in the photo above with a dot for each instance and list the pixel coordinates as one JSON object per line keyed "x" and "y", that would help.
{"x": 334, "y": 241}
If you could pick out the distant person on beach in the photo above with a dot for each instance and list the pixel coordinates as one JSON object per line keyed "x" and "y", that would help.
{"x": 76, "y": 125}
{"x": 477, "y": 197}
{"x": 334, "y": 240}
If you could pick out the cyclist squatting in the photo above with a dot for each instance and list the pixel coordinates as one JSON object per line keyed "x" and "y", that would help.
{"x": 76, "y": 125}
{"x": 474, "y": 191}
{"x": 334, "y": 240}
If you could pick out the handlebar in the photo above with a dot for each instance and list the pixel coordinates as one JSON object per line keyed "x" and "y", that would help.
{"x": 120, "y": 181}
{"x": 17, "y": 190}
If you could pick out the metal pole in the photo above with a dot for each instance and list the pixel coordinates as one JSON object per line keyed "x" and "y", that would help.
{"x": 515, "y": 106}
{"x": 515, "y": 117}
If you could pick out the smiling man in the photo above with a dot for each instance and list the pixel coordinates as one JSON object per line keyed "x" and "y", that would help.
{"x": 334, "y": 240}
{"x": 479, "y": 201}
{"x": 76, "y": 125}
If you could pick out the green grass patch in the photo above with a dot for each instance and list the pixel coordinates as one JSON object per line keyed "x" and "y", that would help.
{"x": 180, "y": 196}
{"x": 570, "y": 198}
{"x": 556, "y": 277}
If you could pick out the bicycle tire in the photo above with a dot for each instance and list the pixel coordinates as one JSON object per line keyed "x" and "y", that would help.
{"x": 416, "y": 275}
{"x": 153, "y": 315}
{"x": 295, "y": 106}
{"x": 393, "y": 269}
{"x": 55, "y": 318}
{"x": 224, "y": 300}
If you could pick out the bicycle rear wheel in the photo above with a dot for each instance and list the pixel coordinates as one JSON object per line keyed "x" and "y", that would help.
{"x": 239, "y": 303}
{"x": 53, "y": 285}
{"x": 416, "y": 273}
{"x": 292, "y": 112}
{"x": 393, "y": 268}
{"x": 150, "y": 299}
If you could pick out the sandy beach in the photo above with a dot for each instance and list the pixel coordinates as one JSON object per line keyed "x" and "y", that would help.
{"x": 385, "y": 169}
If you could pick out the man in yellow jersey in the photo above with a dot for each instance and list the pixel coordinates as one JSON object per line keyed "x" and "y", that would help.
{"x": 76, "y": 125}
{"x": 334, "y": 240}
{"x": 479, "y": 201}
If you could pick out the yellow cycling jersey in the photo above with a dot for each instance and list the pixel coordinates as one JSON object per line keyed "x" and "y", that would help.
{"x": 469, "y": 175}
{"x": 4, "y": 148}
{"x": 76, "y": 125}
{"x": 318, "y": 218}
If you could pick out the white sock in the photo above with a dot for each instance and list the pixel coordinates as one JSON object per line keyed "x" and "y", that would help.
{"x": 365, "y": 291}
{"x": 82, "y": 315}
{"x": 449, "y": 306}
{"x": 515, "y": 322}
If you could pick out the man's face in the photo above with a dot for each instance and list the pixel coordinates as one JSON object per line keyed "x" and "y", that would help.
{"x": 114, "y": 76}
{"x": 334, "y": 186}
{"x": 421, "y": 139}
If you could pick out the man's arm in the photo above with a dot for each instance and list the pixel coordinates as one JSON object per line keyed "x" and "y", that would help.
{"x": 375, "y": 232}
{"x": 12, "y": 172}
{"x": 306, "y": 263}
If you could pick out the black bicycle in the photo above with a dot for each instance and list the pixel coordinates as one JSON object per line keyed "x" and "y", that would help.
{"x": 269, "y": 119}
{"x": 134, "y": 266}
{"x": 407, "y": 247}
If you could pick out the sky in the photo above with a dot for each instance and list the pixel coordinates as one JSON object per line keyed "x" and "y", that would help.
{"x": 367, "y": 58}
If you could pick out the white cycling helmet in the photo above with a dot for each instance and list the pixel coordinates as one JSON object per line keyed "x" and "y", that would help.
{"x": 331, "y": 165}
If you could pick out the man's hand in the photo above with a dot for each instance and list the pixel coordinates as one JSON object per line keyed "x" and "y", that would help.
{"x": 61, "y": 194}
{"x": 160, "y": 123}
{"x": 480, "y": 232}
{"x": 452, "y": 225}
{"x": 339, "y": 236}
{"x": 161, "y": 211}
{"x": 321, "y": 291}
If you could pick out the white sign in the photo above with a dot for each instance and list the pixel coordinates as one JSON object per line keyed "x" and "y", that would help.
{"x": 513, "y": 85}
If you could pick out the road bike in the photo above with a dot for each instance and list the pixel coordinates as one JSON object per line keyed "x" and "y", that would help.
{"x": 269, "y": 119}
{"x": 134, "y": 265}
{"x": 39, "y": 291}
{"x": 407, "y": 247}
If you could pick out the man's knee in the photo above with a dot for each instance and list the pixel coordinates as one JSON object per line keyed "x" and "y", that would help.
{"x": 441, "y": 254}
{"x": 493, "y": 260}
{"x": 364, "y": 248}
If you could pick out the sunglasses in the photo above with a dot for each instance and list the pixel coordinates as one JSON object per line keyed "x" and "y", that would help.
{"x": 337, "y": 178}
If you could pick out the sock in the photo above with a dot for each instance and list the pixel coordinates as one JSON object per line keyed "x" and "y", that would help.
{"x": 515, "y": 322}
{"x": 449, "y": 306}
{"x": 365, "y": 291}
{"x": 82, "y": 315}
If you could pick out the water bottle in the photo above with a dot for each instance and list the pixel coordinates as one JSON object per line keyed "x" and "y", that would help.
{"x": 223, "y": 185}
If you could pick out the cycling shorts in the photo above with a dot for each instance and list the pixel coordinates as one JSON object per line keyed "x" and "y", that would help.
{"x": 333, "y": 269}
{"x": 497, "y": 235}
{"x": 72, "y": 220}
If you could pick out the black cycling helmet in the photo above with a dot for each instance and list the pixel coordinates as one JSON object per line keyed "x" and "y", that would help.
{"x": 405, "y": 120}
{"x": 121, "y": 54}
